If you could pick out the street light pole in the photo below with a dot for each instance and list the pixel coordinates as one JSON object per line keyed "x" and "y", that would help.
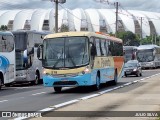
{"x": 116, "y": 4}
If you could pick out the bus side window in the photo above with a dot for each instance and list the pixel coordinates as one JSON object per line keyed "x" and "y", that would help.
{"x": 103, "y": 42}
{"x": 98, "y": 47}
{"x": 110, "y": 48}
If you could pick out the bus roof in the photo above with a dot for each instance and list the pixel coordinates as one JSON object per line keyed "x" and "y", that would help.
{"x": 129, "y": 47}
{"x": 141, "y": 47}
{"x": 6, "y": 33}
{"x": 95, "y": 34}
{"x": 32, "y": 31}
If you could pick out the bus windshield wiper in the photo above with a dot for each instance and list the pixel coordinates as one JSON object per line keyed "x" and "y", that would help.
{"x": 59, "y": 59}
{"x": 69, "y": 56}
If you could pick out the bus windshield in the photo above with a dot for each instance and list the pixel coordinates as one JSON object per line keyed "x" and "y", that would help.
{"x": 145, "y": 55}
{"x": 19, "y": 60}
{"x": 6, "y": 43}
{"x": 128, "y": 57}
{"x": 65, "y": 52}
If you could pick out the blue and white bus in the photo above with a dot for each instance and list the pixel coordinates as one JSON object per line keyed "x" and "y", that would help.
{"x": 80, "y": 59}
{"x": 7, "y": 58}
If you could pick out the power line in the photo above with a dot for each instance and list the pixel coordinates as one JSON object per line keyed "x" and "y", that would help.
{"x": 80, "y": 18}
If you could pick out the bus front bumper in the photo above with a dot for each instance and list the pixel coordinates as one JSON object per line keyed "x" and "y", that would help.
{"x": 147, "y": 65}
{"x": 81, "y": 80}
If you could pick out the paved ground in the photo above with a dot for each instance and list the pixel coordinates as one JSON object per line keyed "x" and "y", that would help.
{"x": 142, "y": 96}
{"x": 34, "y": 98}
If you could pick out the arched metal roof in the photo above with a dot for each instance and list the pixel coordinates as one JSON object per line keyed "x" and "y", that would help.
{"x": 78, "y": 18}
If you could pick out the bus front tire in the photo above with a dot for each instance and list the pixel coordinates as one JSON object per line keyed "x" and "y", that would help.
{"x": 97, "y": 85}
{"x": 57, "y": 89}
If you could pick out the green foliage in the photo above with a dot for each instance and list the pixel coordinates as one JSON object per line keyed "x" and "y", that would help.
{"x": 64, "y": 28}
{"x": 3, "y": 28}
{"x": 129, "y": 38}
{"x": 151, "y": 40}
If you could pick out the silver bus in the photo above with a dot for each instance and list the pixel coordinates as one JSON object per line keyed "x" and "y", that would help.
{"x": 129, "y": 53}
{"x": 149, "y": 56}
{"x": 28, "y": 67}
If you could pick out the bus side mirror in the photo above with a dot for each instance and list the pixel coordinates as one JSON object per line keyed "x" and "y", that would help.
{"x": 39, "y": 52}
{"x": 30, "y": 51}
{"x": 93, "y": 51}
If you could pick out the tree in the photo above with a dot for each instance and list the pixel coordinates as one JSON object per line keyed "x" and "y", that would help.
{"x": 3, "y": 28}
{"x": 129, "y": 38}
{"x": 64, "y": 28}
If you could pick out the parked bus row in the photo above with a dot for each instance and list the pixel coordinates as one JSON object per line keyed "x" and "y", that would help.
{"x": 18, "y": 57}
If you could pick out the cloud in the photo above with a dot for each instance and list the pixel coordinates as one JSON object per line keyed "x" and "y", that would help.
{"x": 146, "y": 5}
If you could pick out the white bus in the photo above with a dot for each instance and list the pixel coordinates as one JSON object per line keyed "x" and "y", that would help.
{"x": 28, "y": 67}
{"x": 7, "y": 58}
{"x": 149, "y": 56}
{"x": 130, "y": 53}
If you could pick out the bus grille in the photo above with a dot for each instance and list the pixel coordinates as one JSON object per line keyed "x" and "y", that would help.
{"x": 65, "y": 83}
{"x": 65, "y": 75}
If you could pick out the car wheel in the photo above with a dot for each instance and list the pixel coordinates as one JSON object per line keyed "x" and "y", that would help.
{"x": 126, "y": 75}
{"x": 138, "y": 74}
{"x": 8, "y": 85}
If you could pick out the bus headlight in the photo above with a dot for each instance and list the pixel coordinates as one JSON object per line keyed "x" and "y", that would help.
{"x": 85, "y": 71}
{"x": 45, "y": 72}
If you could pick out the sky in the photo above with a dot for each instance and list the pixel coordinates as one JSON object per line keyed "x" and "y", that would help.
{"x": 144, "y": 5}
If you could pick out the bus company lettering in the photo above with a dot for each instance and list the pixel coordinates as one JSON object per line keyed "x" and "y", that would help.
{"x": 105, "y": 62}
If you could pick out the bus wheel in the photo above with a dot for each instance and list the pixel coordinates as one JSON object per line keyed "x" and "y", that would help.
{"x": 0, "y": 83}
{"x": 36, "y": 81}
{"x": 57, "y": 89}
{"x": 97, "y": 85}
{"x": 114, "y": 82}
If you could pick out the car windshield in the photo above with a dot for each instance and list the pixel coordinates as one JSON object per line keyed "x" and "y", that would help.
{"x": 66, "y": 52}
{"x": 145, "y": 55}
{"x": 134, "y": 64}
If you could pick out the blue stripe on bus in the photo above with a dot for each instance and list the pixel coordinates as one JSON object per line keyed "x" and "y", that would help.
{"x": 107, "y": 74}
{"x": 4, "y": 63}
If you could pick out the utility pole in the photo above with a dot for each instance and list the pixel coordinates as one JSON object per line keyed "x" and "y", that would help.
{"x": 56, "y": 11}
{"x": 141, "y": 29}
{"x": 155, "y": 39}
{"x": 116, "y": 4}
{"x": 56, "y": 16}
{"x": 152, "y": 39}
{"x": 141, "y": 34}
